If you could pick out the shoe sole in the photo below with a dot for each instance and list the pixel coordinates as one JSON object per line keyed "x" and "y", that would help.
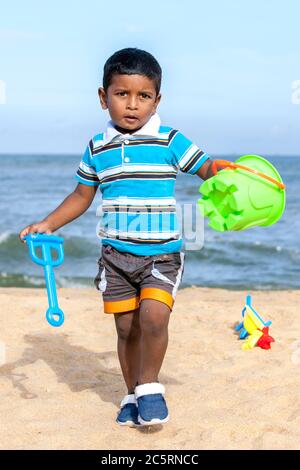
{"x": 153, "y": 421}
{"x": 128, "y": 423}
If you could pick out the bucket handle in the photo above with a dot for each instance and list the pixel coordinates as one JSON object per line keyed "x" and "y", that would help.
{"x": 226, "y": 163}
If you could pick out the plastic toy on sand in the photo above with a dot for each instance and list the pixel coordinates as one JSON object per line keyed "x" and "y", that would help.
{"x": 254, "y": 328}
{"x": 48, "y": 242}
{"x": 245, "y": 193}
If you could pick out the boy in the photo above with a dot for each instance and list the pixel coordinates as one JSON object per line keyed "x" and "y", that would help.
{"x": 135, "y": 163}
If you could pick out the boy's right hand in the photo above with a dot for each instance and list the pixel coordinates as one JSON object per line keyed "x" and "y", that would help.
{"x": 39, "y": 227}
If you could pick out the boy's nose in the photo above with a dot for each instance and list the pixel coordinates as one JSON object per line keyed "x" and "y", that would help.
{"x": 132, "y": 103}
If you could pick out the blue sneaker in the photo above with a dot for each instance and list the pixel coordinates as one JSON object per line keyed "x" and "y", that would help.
{"x": 152, "y": 407}
{"x": 128, "y": 414}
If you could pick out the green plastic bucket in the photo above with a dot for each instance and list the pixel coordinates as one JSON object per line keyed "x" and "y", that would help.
{"x": 247, "y": 193}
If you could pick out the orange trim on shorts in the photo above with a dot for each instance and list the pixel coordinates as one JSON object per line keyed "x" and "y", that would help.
{"x": 119, "y": 306}
{"x": 157, "y": 294}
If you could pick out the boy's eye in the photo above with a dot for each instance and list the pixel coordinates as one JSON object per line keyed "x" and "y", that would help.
{"x": 124, "y": 93}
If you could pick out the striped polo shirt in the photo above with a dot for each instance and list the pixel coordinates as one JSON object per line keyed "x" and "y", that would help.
{"x": 136, "y": 175}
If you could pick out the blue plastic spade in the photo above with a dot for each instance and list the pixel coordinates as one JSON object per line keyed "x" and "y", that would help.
{"x": 46, "y": 242}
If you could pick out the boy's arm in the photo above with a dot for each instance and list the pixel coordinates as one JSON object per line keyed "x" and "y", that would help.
{"x": 72, "y": 207}
{"x": 188, "y": 157}
{"x": 205, "y": 170}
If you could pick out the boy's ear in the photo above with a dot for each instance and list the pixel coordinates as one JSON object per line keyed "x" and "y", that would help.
{"x": 157, "y": 100}
{"x": 102, "y": 97}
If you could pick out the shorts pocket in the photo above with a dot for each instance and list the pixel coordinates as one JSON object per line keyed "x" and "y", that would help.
{"x": 156, "y": 272}
{"x": 100, "y": 280}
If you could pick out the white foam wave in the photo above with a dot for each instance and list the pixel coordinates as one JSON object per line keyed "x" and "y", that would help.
{"x": 34, "y": 280}
{"x": 4, "y": 236}
{"x": 67, "y": 282}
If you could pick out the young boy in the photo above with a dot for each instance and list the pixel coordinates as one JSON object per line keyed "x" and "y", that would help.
{"x": 134, "y": 163}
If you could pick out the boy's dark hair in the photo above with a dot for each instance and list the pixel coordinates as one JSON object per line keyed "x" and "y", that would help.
{"x": 131, "y": 61}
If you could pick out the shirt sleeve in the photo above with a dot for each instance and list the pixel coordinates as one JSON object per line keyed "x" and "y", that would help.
{"x": 86, "y": 173}
{"x": 188, "y": 157}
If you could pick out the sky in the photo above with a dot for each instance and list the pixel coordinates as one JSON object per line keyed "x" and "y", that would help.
{"x": 231, "y": 71}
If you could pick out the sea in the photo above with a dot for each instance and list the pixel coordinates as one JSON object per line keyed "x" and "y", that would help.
{"x": 32, "y": 186}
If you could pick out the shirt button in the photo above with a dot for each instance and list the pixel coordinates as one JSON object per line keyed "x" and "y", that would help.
{"x": 126, "y": 141}
{"x": 126, "y": 159}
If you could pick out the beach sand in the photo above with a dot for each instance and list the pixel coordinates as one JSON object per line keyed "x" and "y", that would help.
{"x": 61, "y": 387}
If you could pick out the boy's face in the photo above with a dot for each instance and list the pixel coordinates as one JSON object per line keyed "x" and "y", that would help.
{"x": 131, "y": 100}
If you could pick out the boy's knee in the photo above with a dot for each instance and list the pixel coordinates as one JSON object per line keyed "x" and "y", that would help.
{"x": 127, "y": 334}
{"x": 128, "y": 331}
{"x": 153, "y": 329}
{"x": 154, "y": 325}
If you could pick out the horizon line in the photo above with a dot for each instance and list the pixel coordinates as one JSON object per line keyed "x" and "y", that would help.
{"x": 67, "y": 154}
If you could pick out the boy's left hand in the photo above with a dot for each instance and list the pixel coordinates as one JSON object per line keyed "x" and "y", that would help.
{"x": 205, "y": 170}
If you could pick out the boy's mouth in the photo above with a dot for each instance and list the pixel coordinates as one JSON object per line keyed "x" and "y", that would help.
{"x": 130, "y": 119}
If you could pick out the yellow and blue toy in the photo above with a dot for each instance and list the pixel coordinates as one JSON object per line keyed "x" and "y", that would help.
{"x": 254, "y": 328}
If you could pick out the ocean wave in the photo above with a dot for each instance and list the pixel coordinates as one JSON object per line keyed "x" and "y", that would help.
{"x": 20, "y": 280}
{"x": 23, "y": 280}
{"x": 4, "y": 236}
{"x": 11, "y": 247}
{"x": 233, "y": 249}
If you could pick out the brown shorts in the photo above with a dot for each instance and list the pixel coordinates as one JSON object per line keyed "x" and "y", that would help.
{"x": 126, "y": 279}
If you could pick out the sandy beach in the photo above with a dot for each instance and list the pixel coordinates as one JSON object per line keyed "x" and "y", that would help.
{"x": 61, "y": 387}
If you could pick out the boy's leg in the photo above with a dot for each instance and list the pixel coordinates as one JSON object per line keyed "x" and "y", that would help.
{"x": 129, "y": 335}
{"x": 154, "y": 319}
{"x": 158, "y": 290}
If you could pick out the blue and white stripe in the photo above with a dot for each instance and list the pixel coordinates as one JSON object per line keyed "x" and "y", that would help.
{"x": 136, "y": 175}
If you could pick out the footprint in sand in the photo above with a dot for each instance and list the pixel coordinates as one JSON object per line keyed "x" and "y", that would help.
{"x": 272, "y": 438}
{"x": 294, "y": 415}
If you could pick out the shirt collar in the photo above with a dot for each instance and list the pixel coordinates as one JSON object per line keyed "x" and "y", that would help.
{"x": 151, "y": 128}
